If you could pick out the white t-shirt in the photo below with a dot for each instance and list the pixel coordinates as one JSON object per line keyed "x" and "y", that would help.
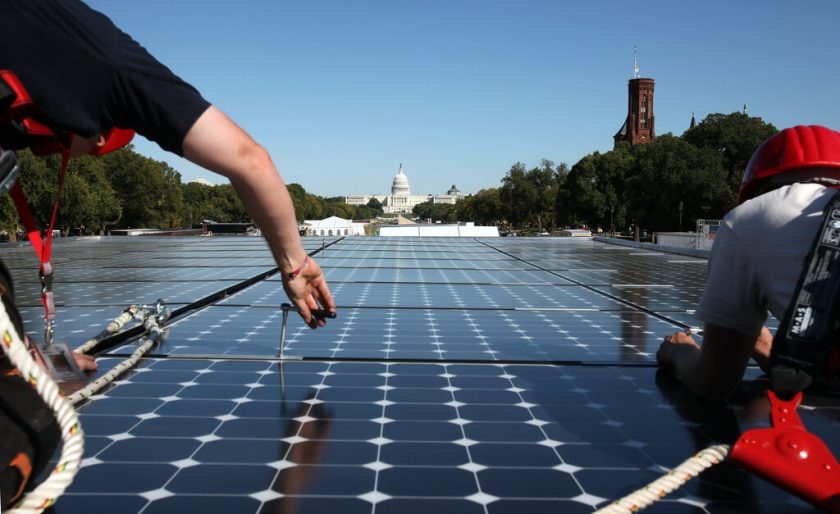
{"x": 758, "y": 254}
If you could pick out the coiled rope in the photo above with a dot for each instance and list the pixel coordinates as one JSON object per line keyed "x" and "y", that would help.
{"x": 45, "y": 494}
{"x": 669, "y": 482}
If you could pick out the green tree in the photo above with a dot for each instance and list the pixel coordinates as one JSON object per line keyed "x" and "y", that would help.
{"x": 9, "y": 220}
{"x": 516, "y": 195}
{"x": 340, "y": 209}
{"x": 484, "y": 207}
{"x": 150, "y": 190}
{"x": 437, "y": 212}
{"x": 529, "y": 197}
{"x": 670, "y": 171}
{"x": 227, "y": 205}
{"x": 375, "y": 205}
{"x": 311, "y": 207}
{"x": 544, "y": 180}
{"x": 89, "y": 203}
{"x": 87, "y": 199}
{"x": 363, "y": 212}
{"x": 39, "y": 178}
{"x": 581, "y": 195}
{"x": 735, "y": 136}
{"x": 593, "y": 193}
{"x": 171, "y": 198}
{"x": 315, "y": 208}
{"x": 298, "y": 194}
{"x": 197, "y": 203}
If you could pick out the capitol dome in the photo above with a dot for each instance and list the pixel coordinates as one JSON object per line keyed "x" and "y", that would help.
{"x": 400, "y": 185}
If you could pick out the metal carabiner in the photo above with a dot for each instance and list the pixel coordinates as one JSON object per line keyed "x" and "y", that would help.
{"x": 48, "y": 299}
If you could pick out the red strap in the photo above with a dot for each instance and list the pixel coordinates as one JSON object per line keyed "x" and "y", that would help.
{"x": 42, "y": 246}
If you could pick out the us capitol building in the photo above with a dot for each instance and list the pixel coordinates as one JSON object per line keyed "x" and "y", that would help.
{"x": 401, "y": 200}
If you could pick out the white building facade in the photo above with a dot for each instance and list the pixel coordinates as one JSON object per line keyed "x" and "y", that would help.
{"x": 401, "y": 200}
{"x": 438, "y": 230}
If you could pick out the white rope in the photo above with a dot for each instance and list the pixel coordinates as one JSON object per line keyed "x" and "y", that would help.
{"x": 72, "y": 450}
{"x": 668, "y": 483}
{"x": 152, "y": 317}
{"x": 69, "y": 462}
{"x": 154, "y": 333}
{"x": 112, "y": 328}
{"x": 109, "y": 377}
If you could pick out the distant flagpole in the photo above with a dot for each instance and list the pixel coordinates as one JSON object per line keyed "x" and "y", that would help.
{"x": 635, "y": 64}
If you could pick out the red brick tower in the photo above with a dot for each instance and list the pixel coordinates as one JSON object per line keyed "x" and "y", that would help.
{"x": 638, "y": 126}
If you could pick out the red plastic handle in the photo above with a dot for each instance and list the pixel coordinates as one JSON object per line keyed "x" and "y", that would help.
{"x": 790, "y": 456}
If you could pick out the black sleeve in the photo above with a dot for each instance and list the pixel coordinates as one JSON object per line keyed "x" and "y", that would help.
{"x": 149, "y": 98}
{"x": 85, "y": 75}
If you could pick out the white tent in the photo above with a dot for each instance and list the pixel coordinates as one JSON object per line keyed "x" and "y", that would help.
{"x": 333, "y": 226}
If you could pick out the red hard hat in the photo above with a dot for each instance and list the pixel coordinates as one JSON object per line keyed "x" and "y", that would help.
{"x": 43, "y": 141}
{"x": 41, "y": 138}
{"x": 115, "y": 139}
{"x": 804, "y": 152}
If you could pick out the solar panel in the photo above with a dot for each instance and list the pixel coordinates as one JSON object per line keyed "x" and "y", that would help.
{"x": 461, "y": 375}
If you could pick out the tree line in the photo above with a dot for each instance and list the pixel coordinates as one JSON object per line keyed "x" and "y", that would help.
{"x": 665, "y": 184}
{"x": 124, "y": 189}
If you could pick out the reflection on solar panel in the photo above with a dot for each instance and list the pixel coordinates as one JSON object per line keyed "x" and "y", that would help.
{"x": 461, "y": 375}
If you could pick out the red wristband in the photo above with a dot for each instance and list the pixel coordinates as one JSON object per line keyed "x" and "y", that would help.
{"x": 289, "y": 275}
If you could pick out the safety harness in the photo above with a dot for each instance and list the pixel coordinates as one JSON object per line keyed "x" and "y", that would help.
{"x": 809, "y": 334}
{"x": 805, "y": 350}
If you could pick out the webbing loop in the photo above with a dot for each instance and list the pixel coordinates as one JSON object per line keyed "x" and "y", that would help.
{"x": 43, "y": 245}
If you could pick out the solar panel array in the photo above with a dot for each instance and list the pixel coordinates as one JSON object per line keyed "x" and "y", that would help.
{"x": 461, "y": 375}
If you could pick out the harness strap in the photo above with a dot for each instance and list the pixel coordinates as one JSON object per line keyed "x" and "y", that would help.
{"x": 19, "y": 128}
{"x": 42, "y": 245}
{"x": 809, "y": 331}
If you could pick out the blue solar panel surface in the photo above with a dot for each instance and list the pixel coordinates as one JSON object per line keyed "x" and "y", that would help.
{"x": 461, "y": 375}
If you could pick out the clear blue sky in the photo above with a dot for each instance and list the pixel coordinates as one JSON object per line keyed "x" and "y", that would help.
{"x": 341, "y": 92}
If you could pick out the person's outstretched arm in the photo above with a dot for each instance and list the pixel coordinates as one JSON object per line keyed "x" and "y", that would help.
{"x": 218, "y": 144}
{"x": 714, "y": 370}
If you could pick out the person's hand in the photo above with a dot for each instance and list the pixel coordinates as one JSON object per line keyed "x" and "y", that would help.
{"x": 678, "y": 341}
{"x": 308, "y": 291}
{"x": 761, "y": 350}
{"x": 85, "y": 362}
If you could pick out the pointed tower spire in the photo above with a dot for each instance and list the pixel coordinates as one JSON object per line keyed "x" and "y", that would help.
{"x": 635, "y": 64}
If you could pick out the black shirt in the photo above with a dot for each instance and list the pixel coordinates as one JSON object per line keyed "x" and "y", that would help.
{"x": 85, "y": 75}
